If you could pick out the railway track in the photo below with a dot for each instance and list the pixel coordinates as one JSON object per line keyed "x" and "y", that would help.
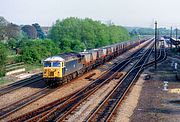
{"x": 4, "y": 112}
{"x": 41, "y": 112}
{"x": 59, "y": 112}
{"x": 161, "y": 57}
{"x": 108, "y": 106}
{"x": 19, "y": 84}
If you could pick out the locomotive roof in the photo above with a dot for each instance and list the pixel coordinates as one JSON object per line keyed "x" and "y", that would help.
{"x": 64, "y": 57}
{"x": 54, "y": 58}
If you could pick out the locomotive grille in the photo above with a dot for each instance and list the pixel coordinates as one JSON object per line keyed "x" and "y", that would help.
{"x": 51, "y": 73}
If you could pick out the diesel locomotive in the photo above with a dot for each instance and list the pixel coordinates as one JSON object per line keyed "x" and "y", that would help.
{"x": 67, "y": 66}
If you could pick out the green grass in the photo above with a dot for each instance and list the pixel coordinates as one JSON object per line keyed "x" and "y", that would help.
{"x": 2, "y": 81}
{"x": 30, "y": 67}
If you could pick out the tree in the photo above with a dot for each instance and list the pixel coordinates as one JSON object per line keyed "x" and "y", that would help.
{"x": 12, "y": 30}
{"x": 3, "y": 57}
{"x": 134, "y": 33}
{"x": 2, "y": 32}
{"x": 9, "y": 31}
{"x": 33, "y": 51}
{"x": 30, "y": 31}
{"x": 87, "y": 33}
{"x": 12, "y": 43}
{"x": 3, "y": 21}
{"x": 77, "y": 46}
{"x": 39, "y": 30}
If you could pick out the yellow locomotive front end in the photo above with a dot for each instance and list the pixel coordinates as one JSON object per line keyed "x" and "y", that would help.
{"x": 52, "y": 71}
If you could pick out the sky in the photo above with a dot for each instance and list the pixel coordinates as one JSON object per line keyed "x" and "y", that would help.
{"x": 136, "y": 13}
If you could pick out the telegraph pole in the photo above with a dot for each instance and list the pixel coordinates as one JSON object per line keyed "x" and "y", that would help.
{"x": 176, "y": 36}
{"x": 158, "y": 37}
{"x": 176, "y": 33}
{"x": 171, "y": 37}
{"x": 155, "y": 44}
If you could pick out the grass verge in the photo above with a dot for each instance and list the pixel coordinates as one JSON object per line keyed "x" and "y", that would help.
{"x": 2, "y": 81}
{"x": 30, "y": 67}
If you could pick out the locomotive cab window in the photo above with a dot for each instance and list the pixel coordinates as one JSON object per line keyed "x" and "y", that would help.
{"x": 47, "y": 64}
{"x": 56, "y": 64}
{"x": 52, "y": 64}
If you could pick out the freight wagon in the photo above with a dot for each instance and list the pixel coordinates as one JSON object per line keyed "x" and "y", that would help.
{"x": 65, "y": 67}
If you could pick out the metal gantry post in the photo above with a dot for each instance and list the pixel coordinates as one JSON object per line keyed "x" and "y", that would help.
{"x": 155, "y": 45}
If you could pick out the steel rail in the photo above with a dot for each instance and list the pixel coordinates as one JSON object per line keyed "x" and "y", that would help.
{"x": 60, "y": 118}
{"x": 161, "y": 58}
{"x": 31, "y": 116}
{"x": 69, "y": 105}
{"x": 12, "y": 87}
{"x": 4, "y": 112}
{"x": 44, "y": 110}
{"x": 20, "y": 81}
{"x": 117, "y": 88}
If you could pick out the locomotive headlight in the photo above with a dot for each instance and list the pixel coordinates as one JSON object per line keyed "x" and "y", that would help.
{"x": 58, "y": 71}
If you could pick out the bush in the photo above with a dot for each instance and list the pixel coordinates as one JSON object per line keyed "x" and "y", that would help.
{"x": 18, "y": 59}
{"x": 35, "y": 50}
{"x": 3, "y": 58}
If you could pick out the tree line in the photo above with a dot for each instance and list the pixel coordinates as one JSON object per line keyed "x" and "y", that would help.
{"x": 74, "y": 34}
{"x": 148, "y": 31}
{"x": 70, "y": 34}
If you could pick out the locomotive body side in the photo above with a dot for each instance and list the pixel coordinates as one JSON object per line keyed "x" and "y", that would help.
{"x": 56, "y": 68}
{"x": 65, "y": 67}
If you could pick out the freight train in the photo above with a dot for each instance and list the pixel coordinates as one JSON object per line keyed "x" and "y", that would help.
{"x": 67, "y": 66}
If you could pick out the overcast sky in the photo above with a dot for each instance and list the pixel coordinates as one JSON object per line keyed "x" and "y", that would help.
{"x": 122, "y": 12}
